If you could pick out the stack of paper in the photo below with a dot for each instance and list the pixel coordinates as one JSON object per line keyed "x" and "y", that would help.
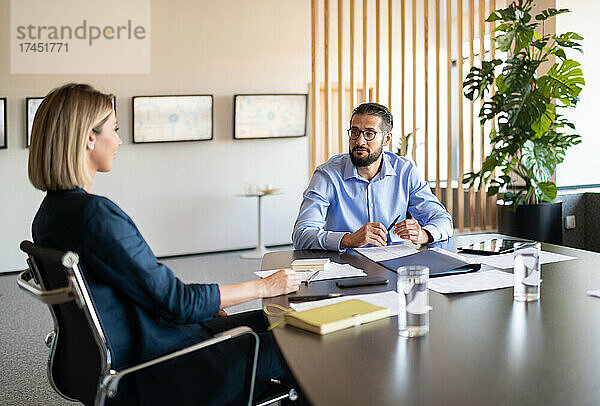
{"x": 314, "y": 264}
{"x": 471, "y": 282}
{"x": 595, "y": 293}
{"x": 506, "y": 261}
{"x": 333, "y": 270}
{"x": 378, "y": 254}
{"x": 387, "y": 299}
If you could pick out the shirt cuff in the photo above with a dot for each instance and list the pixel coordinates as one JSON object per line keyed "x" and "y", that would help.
{"x": 333, "y": 240}
{"x": 435, "y": 233}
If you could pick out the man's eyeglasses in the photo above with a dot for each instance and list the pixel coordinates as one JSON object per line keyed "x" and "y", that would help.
{"x": 369, "y": 135}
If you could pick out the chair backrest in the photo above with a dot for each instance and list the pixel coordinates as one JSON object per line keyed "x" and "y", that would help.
{"x": 79, "y": 354}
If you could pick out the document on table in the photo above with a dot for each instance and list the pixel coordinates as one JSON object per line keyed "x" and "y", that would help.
{"x": 471, "y": 282}
{"x": 378, "y": 254}
{"x": 505, "y": 261}
{"x": 595, "y": 293}
{"x": 387, "y": 299}
{"x": 332, "y": 270}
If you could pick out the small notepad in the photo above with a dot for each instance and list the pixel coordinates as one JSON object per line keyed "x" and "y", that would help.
{"x": 338, "y": 316}
{"x": 315, "y": 264}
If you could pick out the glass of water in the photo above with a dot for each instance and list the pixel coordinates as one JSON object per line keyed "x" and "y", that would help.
{"x": 413, "y": 297}
{"x": 527, "y": 271}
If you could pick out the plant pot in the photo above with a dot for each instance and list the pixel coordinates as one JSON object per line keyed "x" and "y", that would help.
{"x": 539, "y": 222}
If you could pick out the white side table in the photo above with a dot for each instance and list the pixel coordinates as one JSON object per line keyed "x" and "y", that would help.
{"x": 260, "y": 249}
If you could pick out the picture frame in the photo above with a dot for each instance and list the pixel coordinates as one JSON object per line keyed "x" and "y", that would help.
{"x": 31, "y": 106}
{"x": 269, "y": 115}
{"x": 3, "y": 124}
{"x": 172, "y": 118}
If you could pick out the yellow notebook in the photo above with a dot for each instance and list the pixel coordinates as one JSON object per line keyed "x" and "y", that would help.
{"x": 337, "y": 316}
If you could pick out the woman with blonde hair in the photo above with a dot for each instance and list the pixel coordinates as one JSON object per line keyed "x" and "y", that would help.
{"x": 145, "y": 310}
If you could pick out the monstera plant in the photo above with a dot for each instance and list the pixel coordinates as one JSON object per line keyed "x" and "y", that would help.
{"x": 532, "y": 135}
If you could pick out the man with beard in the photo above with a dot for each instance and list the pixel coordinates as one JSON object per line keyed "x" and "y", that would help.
{"x": 354, "y": 197}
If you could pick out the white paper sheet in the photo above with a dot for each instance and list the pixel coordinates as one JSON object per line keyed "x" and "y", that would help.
{"x": 595, "y": 293}
{"x": 506, "y": 261}
{"x": 333, "y": 270}
{"x": 388, "y": 252}
{"x": 387, "y": 299}
{"x": 471, "y": 282}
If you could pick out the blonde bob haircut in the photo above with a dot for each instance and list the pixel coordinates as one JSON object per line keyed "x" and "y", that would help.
{"x": 59, "y": 135}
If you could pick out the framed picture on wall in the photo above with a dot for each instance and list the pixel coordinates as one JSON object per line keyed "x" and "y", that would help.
{"x": 32, "y": 104}
{"x": 172, "y": 118}
{"x": 3, "y": 130}
{"x": 269, "y": 115}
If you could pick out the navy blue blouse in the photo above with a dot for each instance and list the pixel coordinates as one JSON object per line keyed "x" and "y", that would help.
{"x": 144, "y": 309}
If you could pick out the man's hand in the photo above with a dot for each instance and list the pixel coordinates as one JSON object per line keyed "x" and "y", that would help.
{"x": 410, "y": 229}
{"x": 370, "y": 233}
{"x": 280, "y": 283}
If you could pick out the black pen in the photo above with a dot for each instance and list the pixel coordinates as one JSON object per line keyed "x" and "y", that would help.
{"x": 311, "y": 277}
{"x": 408, "y": 216}
{"x": 309, "y": 298}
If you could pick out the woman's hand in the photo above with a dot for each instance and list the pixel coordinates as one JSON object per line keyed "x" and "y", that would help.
{"x": 220, "y": 313}
{"x": 280, "y": 283}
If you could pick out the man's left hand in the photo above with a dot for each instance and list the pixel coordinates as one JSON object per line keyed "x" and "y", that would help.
{"x": 410, "y": 229}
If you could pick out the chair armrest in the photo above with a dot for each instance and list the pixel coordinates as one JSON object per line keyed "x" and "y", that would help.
{"x": 49, "y": 297}
{"x": 110, "y": 382}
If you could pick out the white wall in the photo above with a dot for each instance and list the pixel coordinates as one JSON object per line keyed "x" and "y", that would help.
{"x": 581, "y": 165}
{"x": 183, "y": 195}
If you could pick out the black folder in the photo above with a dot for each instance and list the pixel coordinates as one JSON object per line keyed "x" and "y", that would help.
{"x": 439, "y": 262}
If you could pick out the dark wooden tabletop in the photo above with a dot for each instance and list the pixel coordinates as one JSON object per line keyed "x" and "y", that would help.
{"x": 482, "y": 348}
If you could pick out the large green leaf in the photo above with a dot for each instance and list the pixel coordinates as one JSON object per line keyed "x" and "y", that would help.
{"x": 564, "y": 80}
{"x": 539, "y": 160}
{"x": 546, "y": 190}
{"x": 520, "y": 35}
{"x": 543, "y": 123}
{"x": 567, "y": 40}
{"x": 479, "y": 79}
{"x": 551, "y": 12}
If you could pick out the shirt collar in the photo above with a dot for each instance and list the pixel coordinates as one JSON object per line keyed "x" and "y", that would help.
{"x": 386, "y": 169}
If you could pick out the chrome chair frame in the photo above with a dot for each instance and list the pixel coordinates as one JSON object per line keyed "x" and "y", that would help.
{"x": 77, "y": 291}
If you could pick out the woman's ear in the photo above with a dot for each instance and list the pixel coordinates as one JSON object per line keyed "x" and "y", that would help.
{"x": 91, "y": 141}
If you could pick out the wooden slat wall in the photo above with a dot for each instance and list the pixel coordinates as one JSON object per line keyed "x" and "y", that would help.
{"x": 341, "y": 110}
{"x": 314, "y": 88}
{"x": 390, "y": 58}
{"x": 426, "y": 83}
{"x": 493, "y": 207}
{"x": 414, "y": 81}
{"x": 449, "y": 187}
{"x": 388, "y": 86}
{"x": 365, "y": 47}
{"x": 326, "y": 105}
{"x": 402, "y": 76}
{"x": 472, "y": 200}
{"x": 482, "y": 193}
{"x": 438, "y": 148}
{"x": 461, "y": 141}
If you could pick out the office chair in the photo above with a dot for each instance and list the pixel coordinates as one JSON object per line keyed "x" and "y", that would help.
{"x": 80, "y": 361}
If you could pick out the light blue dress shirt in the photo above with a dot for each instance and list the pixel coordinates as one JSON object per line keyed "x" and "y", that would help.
{"x": 339, "y": 201}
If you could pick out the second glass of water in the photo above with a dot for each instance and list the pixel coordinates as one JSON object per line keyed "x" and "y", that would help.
{"x": 527, "y": 271}
{"x": 413, "y": 297}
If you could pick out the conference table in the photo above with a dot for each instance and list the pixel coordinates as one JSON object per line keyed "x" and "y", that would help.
{"x": 482, "y": 348}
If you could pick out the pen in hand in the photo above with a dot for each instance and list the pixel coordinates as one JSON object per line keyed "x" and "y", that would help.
{"x": 408, "y": 216}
